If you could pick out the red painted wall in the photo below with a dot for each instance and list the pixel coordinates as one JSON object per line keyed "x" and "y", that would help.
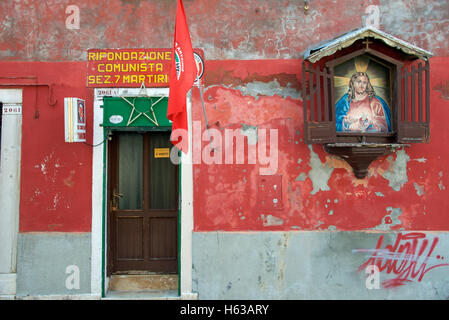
{"x": 248, "y": 45}
{"x": 226, "y": 29}
{"x": 226, "y": 196}
{"x": 56, "y": 177}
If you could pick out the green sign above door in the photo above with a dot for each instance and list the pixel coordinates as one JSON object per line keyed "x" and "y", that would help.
{"x": 120, "y": 112}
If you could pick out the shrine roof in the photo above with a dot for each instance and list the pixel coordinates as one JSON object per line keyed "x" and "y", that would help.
{"x": 330, "y": 47}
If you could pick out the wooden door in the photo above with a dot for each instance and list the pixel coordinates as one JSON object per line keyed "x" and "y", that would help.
{"x": 143, "y": 204}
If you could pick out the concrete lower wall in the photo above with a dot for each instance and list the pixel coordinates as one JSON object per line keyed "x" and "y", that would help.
{"x": 264, "y": 265}
{"x": 53, "y": 263}
{"x": 320, "y": 265}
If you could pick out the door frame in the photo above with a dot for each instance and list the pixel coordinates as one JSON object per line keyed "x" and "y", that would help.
{"x": 11, "y": 146}
{"x": 99, "y": 280}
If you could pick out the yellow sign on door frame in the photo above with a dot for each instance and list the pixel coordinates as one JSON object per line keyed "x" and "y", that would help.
{"x": 162, "y": 152}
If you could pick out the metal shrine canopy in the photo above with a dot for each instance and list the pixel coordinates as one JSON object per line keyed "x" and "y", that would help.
{"x": 330, "y": 47}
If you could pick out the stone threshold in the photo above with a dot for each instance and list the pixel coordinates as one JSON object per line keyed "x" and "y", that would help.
{"x": 142, "y": 282}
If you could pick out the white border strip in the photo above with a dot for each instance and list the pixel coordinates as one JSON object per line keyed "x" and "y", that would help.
{"x": 97, "y": 193}
{"x": 11, "y": 146}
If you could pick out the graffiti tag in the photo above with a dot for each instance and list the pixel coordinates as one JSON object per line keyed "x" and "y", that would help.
{"x": 408, "y": 259}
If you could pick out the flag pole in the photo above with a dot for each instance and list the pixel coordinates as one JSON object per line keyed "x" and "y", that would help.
{"x": 204, "y": 110}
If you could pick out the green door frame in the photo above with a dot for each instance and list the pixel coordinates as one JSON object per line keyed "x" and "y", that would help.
{"x": 127, "y": 113}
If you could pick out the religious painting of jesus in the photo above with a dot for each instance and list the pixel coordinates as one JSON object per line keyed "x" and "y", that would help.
{"x": 363, "y": 93}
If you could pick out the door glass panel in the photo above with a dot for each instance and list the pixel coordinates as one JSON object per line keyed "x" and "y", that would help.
{"x": 162, "y": 174}
{"x": 130, "y": 170}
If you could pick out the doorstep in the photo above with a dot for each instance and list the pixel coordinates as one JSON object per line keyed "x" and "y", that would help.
{"x": 143, "y": 295}
{"x": 143, "y": 282}
{"x": 145, "y": 287}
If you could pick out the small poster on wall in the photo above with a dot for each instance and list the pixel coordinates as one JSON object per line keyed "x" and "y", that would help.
{"x": 74, "y": 120}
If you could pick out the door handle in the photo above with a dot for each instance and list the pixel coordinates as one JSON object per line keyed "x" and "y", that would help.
{"x": 114, "y": 202}
{"x": 118, "y": 195}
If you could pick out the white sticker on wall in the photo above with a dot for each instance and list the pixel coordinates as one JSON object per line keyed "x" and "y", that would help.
{"x": 115, "y": 119}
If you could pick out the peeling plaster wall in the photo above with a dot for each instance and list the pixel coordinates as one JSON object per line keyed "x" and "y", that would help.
{"x": 265, "y": 29}
{"x": 316, "y": 208}
{"x": 56, "y": 177}
{"x": 319, "y": 191}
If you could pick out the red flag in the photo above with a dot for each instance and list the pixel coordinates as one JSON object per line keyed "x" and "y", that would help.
{"x": 182, "y": 76}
